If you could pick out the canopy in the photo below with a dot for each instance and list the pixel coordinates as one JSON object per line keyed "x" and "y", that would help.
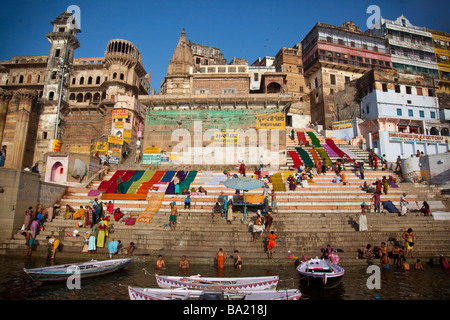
{"x": 244, "y": 183}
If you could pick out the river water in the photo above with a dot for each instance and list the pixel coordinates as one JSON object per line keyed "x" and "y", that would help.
{"x": 432, "y": 283}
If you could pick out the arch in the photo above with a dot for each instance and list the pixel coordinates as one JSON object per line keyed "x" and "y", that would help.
{"x": 114, "y": 75}
{"x": 72, "y": 97}
{"x": 57, "y": 172}
{"x": 21, "y": 79}
{"x": 88, "y": 97}
{"x": 273, "y": 87}
{"x": 444, "y": 132}
{"x": 29, "y": 78}
{"x": 122, "y": 76}
{"x": 80, "y": 97}
{"x": 38, "y": 78}
{"x": 51, "y": 95}
{"x": 434, "y": 131}
{"x": 97, "y": 80}
{"x": 103, "y": 95}
{"x": 96, "y": 97}
{"x": 90, "y": 80}
{"x": 82, "y": 80}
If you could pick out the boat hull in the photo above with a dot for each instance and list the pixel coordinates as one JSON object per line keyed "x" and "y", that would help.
{"x": 320, "y": 273}
{"x": 187, "y": 294}
{"x": 204, "y": 283}
{"x": 84, "y": 270}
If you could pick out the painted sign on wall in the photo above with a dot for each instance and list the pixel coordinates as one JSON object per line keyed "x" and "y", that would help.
{"x": 120, "y": 114}
{"x": 276, "y": 120}
{"x": 115, "y": 140}
{"x": 151, "y": 158}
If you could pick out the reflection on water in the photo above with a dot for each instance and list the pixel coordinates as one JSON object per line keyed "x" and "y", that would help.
{"x": 432, "y": 283}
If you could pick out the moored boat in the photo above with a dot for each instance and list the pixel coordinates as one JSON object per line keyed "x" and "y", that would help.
{"x": 187, "y": 294}
{"x": 84, "y": 269}
{"x": 321, "y": 273}
{"x": 198, "y": 282}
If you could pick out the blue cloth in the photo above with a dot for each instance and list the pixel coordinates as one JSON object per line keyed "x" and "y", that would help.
{"x": 113, "y": 246}
{"x": 92, "y": 243}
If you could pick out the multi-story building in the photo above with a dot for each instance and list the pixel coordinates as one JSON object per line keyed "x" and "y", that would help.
{"x": 32, "y": 114}
{"x": 334, "y": 56}
{"x": 400, "y": 114}
{"x": 411, "y": 47}
{"x": 289, "y": 61}
{"x": 441, "y": 44}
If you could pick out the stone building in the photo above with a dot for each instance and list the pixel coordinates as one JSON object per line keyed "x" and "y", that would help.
{"x": 207, "y": 104}
{"x": 334, "y": 56}
{"x": 30, "y": 87}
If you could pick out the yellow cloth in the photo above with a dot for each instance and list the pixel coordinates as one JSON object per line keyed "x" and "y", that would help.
{"x": 79, "y": 214}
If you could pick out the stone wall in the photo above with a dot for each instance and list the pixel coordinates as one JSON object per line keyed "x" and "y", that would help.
{"x": 20, "y": 191}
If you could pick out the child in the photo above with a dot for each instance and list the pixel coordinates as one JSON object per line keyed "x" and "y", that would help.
{"x": 130, "y": 249}
{"x": 418, "y": 265}
{"x": 238, "y": 260}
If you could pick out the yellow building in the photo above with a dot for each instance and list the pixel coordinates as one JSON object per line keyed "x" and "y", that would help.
{"x": 441, "y": 44}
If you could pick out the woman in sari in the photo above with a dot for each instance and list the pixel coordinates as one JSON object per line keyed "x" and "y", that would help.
{"x": 87, "y": 220}
{"x": 68, "y": 213}
{"x": 99, "y": 214}
{"x": 220, "y": 258}
{"x": 119, "y": 185}
{"x": 92, "y": 247}
{"x": 385, "y": 185}
{"x": 110, "y": 208}
{"x": 102, "y": 228}
{"x": 79, "y": 214}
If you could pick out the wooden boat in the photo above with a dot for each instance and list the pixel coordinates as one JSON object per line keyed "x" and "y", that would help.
{"x": 187, "y": 294}
{"x": 203, "y": 283}
{"x": 85, "y": 269}
{"x": 321, "y": 273}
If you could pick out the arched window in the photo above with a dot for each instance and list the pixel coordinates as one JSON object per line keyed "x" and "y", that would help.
{"x": 114, "y": 75}
{"x": 90, "y": 80}
{"x": 38, "y": 78}
{"x": 72, "y": 97}
{"x": 97, "y": 81}
{"x": 51, "y": 95}
{"x": 82, "y": 80}
{"x": 21, "y": 79}
{"x": 434, "y": 131}
{"x": 29, "y": 78}
{"x": 96, "y": 97}
{"x": 122, "y": 76}
{"x": 273, "y": 87}
{"x": 80, "y": 97}
{"x": 88, "y": 97}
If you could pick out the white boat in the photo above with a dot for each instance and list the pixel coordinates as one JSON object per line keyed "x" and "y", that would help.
{"x": 84, "y": 269}
{"x": 211, "y": 283}
{"x": 318, "y": 272}
{"x": 187, "y": 294}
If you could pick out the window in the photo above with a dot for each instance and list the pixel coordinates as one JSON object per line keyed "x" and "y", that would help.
{"x": 433, "y": 115}
{"x": 347, "y": 79}
{"x": 316, "y": 83}
{"x": 408, "y": 90}
{"x": 51, "y": 95}
{"x": 82, "y": 80}
{"x": 44, "y": 135}
{"x": 122, "y": 76}
{"x": 300, "y": 69}
{"x": 410, "y": 113}
{"x": 301, "y": 89}
{"x": 352, "y": 44}
{"x": 331, "y": 91}
{"x": 73, "y": 80}
{"x": 21, "y": 79}
{"x": 430, "y": 92}
{"x": 332, "y": 79}
{"x": 340, "y": 41}
{"x": 256, "y": 77}
{"x": 90, "y": 80}
{"x": 97, "y": 80}
{"x": 422, "y": 114}
{"x": 399, "y": 112}
{"x": 57, "y": 52}
{"x": 329, "y": 39}
{"x": 384, "y": 86}
{"x": 397, "y": 88}
{"x": 419, "y": 91}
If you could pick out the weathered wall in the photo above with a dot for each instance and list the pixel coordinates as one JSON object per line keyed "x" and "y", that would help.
{"x": 21, "y": 190}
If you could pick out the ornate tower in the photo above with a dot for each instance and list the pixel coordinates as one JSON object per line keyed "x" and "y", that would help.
{"x": 177, "y": 79}
{"x": 54, "y": 107}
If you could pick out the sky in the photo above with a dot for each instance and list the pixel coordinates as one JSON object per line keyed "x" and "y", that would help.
{"x": 239, "y": 28}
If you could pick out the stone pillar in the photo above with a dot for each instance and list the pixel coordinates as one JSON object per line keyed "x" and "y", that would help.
{"x": 21, "y": 116}
{"x": 5, "y": 97}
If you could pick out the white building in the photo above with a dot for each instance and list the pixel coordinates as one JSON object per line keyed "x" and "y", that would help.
{"x": 401, "y": 115}
{"x": 411, "y": 46}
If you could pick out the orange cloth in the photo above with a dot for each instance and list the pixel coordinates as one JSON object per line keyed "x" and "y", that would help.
{"x": 220, "y": 262}
{"x": 271, "y": 243}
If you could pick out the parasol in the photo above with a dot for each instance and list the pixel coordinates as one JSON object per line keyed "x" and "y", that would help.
{"x": 243, "y": 183}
